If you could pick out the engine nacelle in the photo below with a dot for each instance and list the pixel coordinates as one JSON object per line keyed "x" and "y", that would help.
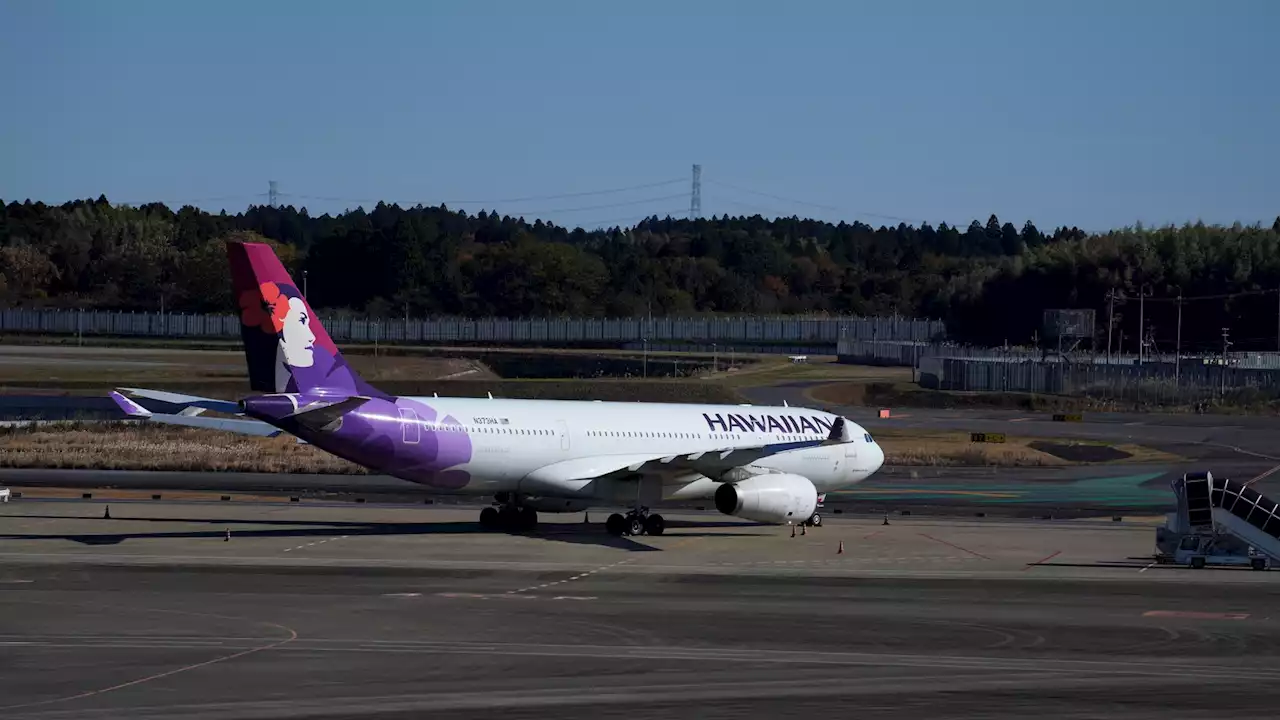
{"x": 773, "y": 498}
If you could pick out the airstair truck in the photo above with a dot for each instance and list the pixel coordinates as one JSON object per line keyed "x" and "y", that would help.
{"x": 1219, "y": 522}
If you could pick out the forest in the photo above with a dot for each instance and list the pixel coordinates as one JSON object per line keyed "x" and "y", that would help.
{"x": 990, "y": 282}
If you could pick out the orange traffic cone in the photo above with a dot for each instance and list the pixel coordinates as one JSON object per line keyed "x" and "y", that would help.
{"x": 793, "y": 531}
{"x": 840, "y": 550}
{"x": 228, "y": 537}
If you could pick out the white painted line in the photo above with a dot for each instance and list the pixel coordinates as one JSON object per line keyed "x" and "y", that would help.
{"x": 1153, "y": 564}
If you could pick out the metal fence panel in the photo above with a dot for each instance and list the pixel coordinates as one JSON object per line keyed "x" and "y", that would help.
{"x": 1159, "y": 383}
{"x": 760, "y": 331}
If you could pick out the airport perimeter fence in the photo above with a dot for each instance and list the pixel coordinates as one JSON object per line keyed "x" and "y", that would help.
{"x": 912, "y": 354}
{"x": 786, "y": 332}
{"x": 1158, "y": 378}
{"x": 1151, "y": 383}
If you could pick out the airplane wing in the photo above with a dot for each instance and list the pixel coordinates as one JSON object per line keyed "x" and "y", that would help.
{"x": 712, "y": 463}
{"x": 321, "y": 416}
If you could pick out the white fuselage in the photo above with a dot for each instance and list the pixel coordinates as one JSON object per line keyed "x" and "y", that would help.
{"x": 515, "y": 441}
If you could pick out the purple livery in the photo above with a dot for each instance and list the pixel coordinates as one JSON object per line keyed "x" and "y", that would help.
{"x": 291, "y": 357}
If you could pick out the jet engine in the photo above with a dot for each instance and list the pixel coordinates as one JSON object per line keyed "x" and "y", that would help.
{"x": 773, "y": 498}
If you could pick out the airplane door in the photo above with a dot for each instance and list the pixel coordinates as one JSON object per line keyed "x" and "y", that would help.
{"x": 412, "y": 431}
{"x": 563, "y": 428}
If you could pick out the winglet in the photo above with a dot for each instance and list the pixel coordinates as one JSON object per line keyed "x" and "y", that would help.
{"x": 840, "y": 432}
{"x": 129, "y": 407}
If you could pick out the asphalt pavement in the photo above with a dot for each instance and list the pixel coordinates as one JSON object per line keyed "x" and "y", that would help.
{"x": 322, "y": 612}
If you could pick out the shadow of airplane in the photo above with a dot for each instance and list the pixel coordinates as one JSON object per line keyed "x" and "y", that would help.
{"x": 574, "y": 533}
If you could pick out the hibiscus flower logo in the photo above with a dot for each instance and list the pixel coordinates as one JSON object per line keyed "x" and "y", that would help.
{"x": 265, "y": 307}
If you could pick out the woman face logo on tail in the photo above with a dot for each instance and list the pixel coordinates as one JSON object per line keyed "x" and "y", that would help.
{"x": 280, "y": 310}
{"x": 296, "y": 339}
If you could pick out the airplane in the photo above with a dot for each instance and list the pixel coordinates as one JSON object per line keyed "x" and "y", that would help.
{"x": 768, "y": 464}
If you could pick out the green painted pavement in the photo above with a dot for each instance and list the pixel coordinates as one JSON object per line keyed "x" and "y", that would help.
{"x": 1123, "y": 490}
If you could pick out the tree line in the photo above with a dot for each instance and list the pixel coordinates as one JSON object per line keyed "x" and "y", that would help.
{"x": 990, "y": 282}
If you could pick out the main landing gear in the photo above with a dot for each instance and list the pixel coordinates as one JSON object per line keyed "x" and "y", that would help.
{"x": 508, "y": 517}
{"x": 814, "y": 520}
{"x": 636, "y": 522}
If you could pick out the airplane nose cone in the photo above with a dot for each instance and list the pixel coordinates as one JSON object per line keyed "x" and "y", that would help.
{"x": 875, "y": 456}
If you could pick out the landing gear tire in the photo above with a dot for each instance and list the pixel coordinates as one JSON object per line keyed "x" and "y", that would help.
{"x": 635, "y": 523}
{"x": 816, "y": 520}
{"x": 527, "y": 519}
{"x": 654, "y": 525}
{"x": 509, "y": 518}
{"x": 616, "y": 525}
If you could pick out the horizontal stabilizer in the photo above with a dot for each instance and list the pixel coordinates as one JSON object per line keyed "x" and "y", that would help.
{"x": 187, "y": 401}
{"x": 324, "y": 417}
{"x": 129, "y": 407}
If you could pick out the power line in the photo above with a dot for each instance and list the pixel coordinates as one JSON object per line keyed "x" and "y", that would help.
{"x": 555, "y": 196}
{"x": 624, "y": 203}
{"x": 597, "y": 224}
{"x": 189, "y": 201}
{"x": 810, "y": 204}
{"x": 1216, "y": 296}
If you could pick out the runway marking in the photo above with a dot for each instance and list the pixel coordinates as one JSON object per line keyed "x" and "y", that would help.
{"x": 1153, "y": 564}
{"x": 1055, "y": 554}
{"x": 314, "y": 543}
{"x": 403, "y": 594}
{"x": 579, "y": 576}
{"x": 1263, "y": 475}
{"x": 293, "y": 635}
{"x": 944, "y": 542}
{"x": 1022, "y": 419}
{"x": 15, "y": 582}
{"x": 1195, "y": 615}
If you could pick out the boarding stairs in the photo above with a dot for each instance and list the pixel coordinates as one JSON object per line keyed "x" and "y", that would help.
{"x": 1208, "y": 505}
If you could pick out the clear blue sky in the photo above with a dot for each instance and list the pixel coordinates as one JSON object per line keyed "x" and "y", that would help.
{"x": 1091, "y": 113}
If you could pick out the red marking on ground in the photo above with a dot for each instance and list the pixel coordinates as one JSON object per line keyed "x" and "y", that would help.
{"x": 1196, "y": 615}
{"x": 944, "y": 542}
{"x": 1042, "y": 560}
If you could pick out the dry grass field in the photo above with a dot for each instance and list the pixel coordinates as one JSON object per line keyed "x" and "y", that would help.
{"x": 143, "y": 446}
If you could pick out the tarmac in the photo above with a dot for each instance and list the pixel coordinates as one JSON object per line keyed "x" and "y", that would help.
{"x": 258, "y": 608}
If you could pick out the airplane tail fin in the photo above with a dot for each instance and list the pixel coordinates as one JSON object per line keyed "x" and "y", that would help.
{"x": 286, "y": 347}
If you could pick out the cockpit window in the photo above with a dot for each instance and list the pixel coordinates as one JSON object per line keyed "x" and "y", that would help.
{"x": 867, "y": 437}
